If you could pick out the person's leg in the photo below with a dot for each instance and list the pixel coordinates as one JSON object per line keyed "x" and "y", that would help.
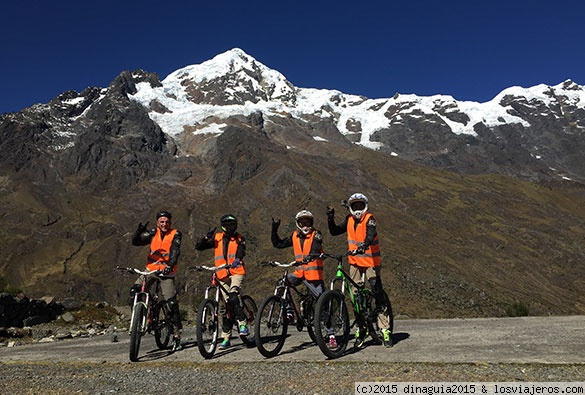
{"x": 383, "y": 318}
{"x": 226, "y": 328}
{"x": 235, "y": 301}
{"x": 169, "y": 293}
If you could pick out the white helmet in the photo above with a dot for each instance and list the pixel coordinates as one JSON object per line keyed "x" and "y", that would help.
{"x": 356, "y": 208}
{"x": 303, "y": 227}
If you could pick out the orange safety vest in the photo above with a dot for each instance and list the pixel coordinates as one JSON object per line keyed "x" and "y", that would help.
{"x": 160, "y": 249}
{"x": 356, "y": 235}
{"x": 219, "y": 256}
{"x": 312, "y": 270}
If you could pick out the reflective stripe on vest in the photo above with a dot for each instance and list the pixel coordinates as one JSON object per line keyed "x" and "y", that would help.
{"x": 312, "y": 270}
{"x": 219, "y": 258}
{"x": 356, "y": 236}
{"x": 160, "y": 249}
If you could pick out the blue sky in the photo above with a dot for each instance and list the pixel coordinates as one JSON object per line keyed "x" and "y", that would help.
{"x": 471, "y": 50}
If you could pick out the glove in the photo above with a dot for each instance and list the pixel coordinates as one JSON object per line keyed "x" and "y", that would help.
{"x": 167, "y": 270}
{"x": 142, "y": 228}
{"x": 360, "y": 250}
{"x": 235, "y": 263}
{"x": 210, "y": 233}
{"x": 275, "y": 224}
{"x": 330, "y": 212}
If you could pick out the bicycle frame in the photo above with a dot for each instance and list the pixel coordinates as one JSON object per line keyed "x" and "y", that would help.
{"x": 220, "y": 291}
{"x": 147, "y": 296}
{"x": 290, "y": 292}
{"x": 358, "y": 299}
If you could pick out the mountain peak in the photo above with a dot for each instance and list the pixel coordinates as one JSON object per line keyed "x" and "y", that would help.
{"x": 230, "y": 78}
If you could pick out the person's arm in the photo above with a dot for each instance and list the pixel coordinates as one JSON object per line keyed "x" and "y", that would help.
{"x": 205, "y": 243}
{"x": 334, "y": 229}
{"x": 317, "y": 245}
{"x": 277, "y": 242}
{"x": 175, "y": 249}
{"x": 371, "y": 232}
{"x": 241, "y": 251}
{"x": 142, "y": 236}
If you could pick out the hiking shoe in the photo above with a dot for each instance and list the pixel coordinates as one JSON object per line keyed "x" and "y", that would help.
{"x": 177, "y": 344}
{"x": 360, "y": 338}
{"x": 332, "y": 342}
{"x": 224, "y": 344}
{"x": 244, "y": 330}
{"x": 387, "y": 338}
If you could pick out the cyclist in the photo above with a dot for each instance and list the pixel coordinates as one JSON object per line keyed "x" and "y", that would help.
{"x": 362, "y": 239}
{"x": 165, "y": 248}
{"x": 229, "y": 248}
{"x": 306, "y": 241}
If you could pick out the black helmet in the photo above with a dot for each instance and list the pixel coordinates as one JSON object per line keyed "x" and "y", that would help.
{"x": 229, "y": 224}
{"x": 164, "y": 213}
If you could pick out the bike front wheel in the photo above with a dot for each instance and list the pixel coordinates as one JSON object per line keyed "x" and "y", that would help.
{"x": 331, "y": 320}
{"x": 271, "y": 326}
{"x": 250, "y": 310}
{"x": 207, "y": 328}
{"x": 163, "y": 327}
{"x": 136, "y": 330}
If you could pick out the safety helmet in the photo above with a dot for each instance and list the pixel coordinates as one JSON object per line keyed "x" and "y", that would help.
{"x": 229, "y": 224}
{"x": 164, "y": 213}
{"x": 358, "y": 205}
{"x": 302, "y": 225}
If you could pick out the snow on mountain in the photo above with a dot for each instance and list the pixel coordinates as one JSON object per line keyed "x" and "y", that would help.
{"x": 280, "y": 98}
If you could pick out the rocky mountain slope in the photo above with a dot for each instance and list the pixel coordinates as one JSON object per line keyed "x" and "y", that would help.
{"x": 478, "y": 211}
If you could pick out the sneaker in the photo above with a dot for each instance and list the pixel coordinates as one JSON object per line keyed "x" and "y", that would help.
{"x": 244, "y": 330}
{"x": 177, "y": 344}
{"x": 332, "y": 342}
{"x": 224, "y": 344}
{"x": 387, "y": 338}
{"x": 360, "y": 338}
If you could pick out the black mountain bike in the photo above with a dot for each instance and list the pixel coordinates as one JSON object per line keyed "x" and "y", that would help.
{"x": 277, "y": 311}
{"x": 150, "y": 313}
{"x": 214, "y": 313}
{"x": 332, "y": 316}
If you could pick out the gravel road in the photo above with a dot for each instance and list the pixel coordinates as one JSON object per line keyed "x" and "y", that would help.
{"x": 481, "y": 350}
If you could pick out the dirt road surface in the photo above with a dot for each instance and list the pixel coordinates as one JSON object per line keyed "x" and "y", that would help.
{"x": 546, "y": 340}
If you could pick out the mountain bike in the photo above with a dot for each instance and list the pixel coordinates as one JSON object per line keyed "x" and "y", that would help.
{"x": 214, "y": 312}
{"x": 150, "y": 313}
{"x": 285, "y": 306}
{"x": 332, "y": 316}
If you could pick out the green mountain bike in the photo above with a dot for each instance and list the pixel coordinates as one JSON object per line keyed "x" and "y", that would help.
{"x": 332, "y": 318}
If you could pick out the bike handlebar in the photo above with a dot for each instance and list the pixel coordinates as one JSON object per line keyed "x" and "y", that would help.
{"x": 309, "y": 259}
{"x": 138, "y": 271}
{"x": 212, "y": 268}
{"x": 275, "y": 264}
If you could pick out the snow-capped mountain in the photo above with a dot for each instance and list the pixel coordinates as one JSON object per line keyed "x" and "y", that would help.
{"x": 231, "y": 135}
{"x": 517, "y": 128}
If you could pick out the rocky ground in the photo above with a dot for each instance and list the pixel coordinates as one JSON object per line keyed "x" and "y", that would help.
{"x": 516, "y": 350}
{"x": 257, "y": 377}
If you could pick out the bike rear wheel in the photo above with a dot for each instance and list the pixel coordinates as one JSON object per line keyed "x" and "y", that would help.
{"x": 271, "y": 326}
{"x": 207, "y": 328}
{"x": 331, "y": 319}
{"x": 163, "y": 327}
{"x": 250, "y": 309}
{"x": 136, "y": 330}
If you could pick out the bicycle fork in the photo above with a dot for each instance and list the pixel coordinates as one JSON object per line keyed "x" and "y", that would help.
{"x": 141, "y": 298}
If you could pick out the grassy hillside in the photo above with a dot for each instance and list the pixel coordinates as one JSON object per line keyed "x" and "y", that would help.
{"x": 452, "y": 245}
